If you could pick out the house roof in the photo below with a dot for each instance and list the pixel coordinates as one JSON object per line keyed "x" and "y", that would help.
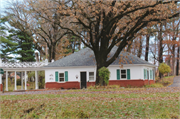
{"x": 85, "y": 57}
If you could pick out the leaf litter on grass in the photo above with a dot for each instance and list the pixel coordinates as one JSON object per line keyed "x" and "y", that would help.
{"x": 131, "y": 103}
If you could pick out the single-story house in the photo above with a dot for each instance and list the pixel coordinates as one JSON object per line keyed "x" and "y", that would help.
{"x": 78, "y": 70}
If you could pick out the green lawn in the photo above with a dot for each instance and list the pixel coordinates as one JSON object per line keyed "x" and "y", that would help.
{"x": 94, "y": 103}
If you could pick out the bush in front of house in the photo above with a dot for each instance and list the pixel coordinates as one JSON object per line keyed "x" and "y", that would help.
{"x": 104, "y": 74}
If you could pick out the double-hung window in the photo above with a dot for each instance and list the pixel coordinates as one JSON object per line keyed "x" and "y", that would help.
{"x": 61, "y": 77}
{"x": 123, "y": 73}
{"x": 91, "y": 76}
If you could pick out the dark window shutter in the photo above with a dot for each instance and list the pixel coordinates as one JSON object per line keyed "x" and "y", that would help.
{"x": 56, "y": 76}
{"x": 66, "y": 75}
{"x": 118, "y": 74}
{"x": 128, "y": 74}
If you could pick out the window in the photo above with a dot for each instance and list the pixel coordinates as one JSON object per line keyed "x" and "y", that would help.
{"x": 123, "y": 73}
{"x": 91, "y": 76}
{"x": 61, "y": 77}
{"x": 147, "y": 74}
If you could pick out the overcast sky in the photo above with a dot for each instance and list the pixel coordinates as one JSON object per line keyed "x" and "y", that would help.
{"x": 3, "y": 4}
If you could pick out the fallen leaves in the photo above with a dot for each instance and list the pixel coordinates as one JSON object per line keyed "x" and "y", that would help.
{"x": 107, "y": 103}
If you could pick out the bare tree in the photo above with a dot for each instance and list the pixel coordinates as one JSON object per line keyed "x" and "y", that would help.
{"x": 177, "y": 63}
{"x": 47, "y": 25}
{"x": 112, "y": 23}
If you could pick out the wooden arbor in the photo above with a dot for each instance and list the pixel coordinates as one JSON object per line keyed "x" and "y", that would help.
{"x": 21, "y": 67}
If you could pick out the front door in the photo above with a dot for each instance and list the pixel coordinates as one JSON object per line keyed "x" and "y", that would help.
{"x": 83, "y": 80}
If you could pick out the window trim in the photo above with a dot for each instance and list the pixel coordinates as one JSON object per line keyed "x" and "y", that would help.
{"x": 59, "y": 77}
{"x": 93, "y": 76}
{"x": 121, "y": 74}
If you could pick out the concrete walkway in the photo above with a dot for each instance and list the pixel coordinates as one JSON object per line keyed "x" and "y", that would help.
{"x": 176, "y": 82}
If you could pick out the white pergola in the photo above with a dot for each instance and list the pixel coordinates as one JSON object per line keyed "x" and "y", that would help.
{"x": 22, "y": 67}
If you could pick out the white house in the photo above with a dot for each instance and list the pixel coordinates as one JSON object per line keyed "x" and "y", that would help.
{"x": 78, "y": 70}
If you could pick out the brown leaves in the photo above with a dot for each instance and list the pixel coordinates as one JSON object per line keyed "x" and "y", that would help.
{"x": 107, "y": 103}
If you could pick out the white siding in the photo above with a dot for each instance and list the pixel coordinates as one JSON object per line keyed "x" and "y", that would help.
{"x": 72, "y": 73}
{"x": 136, "y": 72}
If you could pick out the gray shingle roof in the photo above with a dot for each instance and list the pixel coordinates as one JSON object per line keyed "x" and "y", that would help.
{"x": 85, "y": 57}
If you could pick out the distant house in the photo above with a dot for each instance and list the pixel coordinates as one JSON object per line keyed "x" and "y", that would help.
{"x": 78, "y": 70}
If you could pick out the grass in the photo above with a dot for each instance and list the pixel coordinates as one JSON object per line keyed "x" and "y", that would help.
{"x": 168, "y": 77}
{"x": 94, "y": 103}
{"x": 155, "y": 85}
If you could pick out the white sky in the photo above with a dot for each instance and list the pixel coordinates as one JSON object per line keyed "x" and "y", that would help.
{"x": 2, "y": 5}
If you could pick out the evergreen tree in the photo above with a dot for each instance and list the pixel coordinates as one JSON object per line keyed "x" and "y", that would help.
{"x": 25, "y": 46}
{"x": 7, "y": 46}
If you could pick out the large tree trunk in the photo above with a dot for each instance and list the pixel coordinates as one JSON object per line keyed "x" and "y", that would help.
{"x": 54, "y": 51}
{"x": 147, "y": 47}
{"x": 160, "y": 47}
{"x": 97, "y": 76}
{"x": 101, "y": 62}
{"x": 49, "y": 51}
{"x": 99, "y": 66}
{"x": 173, "y": 58}
{"x": 177, "y": 64}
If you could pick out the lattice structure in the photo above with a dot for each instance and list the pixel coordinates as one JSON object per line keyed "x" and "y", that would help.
{"x": 23, "y": 64}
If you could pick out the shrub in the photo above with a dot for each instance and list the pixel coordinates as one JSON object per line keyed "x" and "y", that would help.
{"x": 104, "y": 74}
{"x": 155, "y": 85}
{"x": 164, "y": 68}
